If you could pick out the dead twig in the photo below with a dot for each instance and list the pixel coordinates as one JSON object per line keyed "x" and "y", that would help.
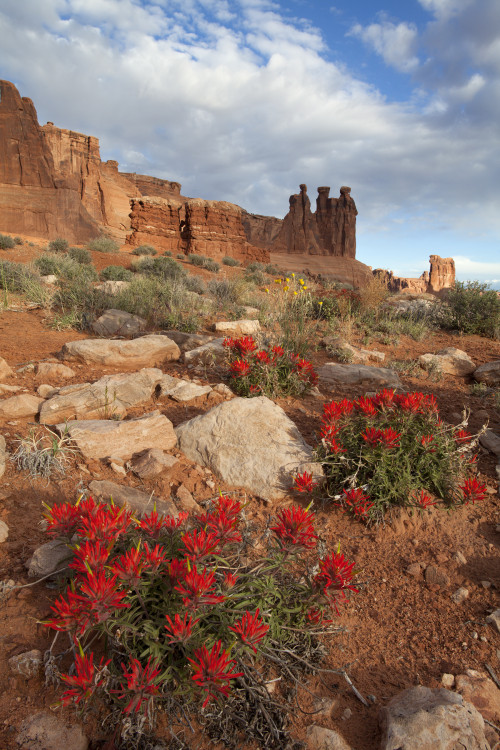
{"x": 493, "y": 675}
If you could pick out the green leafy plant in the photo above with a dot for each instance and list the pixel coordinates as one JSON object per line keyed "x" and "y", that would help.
{"x": 81, "y": 255}
{"x": 203, "y": 262}
{"x": 163, "y": 267}
{"x": 257, "y": 372}
{"x": 103, "y": 245}
{"x": 391, "y": 450}
{"x": 6, "y": 242}
{"x": 59, "y": 245}
{"x": 228, "y": 261}
{"x": 193, "y": 621}
{"x": 473, "y": 308}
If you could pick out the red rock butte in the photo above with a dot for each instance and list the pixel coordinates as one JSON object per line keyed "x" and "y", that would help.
{"x": 54, "y": 184}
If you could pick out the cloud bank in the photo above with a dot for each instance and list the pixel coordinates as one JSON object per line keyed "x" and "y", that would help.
{"x": 240, "y": 102}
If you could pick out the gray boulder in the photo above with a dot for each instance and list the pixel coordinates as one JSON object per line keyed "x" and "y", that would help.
{"x": 146, "y": 351}
{"x": 332, "y": 375}
{"x": 139, "y": 502}
{"x": 450, "y": 361}
{"x": 249, "y": 443}
{"x": 19, "y": 407}
{"x": 423, "y": 719}
{"x": 46, "y": 731}
{"x": 118, "y": 323}
{"x": 488, "y": 373}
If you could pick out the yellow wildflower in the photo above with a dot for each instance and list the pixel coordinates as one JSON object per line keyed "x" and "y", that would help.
{"x": 304, "y": 287}
{"x": 295, "y": 292}
{"x": 301, "y": 281}
{"x": 293, "y": 275}
{"x": 287, "y": 280}
{"x": 277, "y": 281}
{"x": 286, "y": 288}
{"x": 267, "y": 290}
{"x": 321, "y": 302}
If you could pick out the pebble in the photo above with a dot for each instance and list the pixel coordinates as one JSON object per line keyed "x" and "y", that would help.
{"x": 460, "y": 595}
{"x": 347, "y": 714}
{"x": 483, "y": 639}
{"x": 447, "y": 680}
{"x": 486, "y": 584}
{"x": 460, "y": 558}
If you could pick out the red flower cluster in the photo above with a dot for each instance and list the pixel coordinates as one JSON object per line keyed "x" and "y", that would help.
{"x": 387, "y": 438}
{"x": 197, "y": 589}
{"x": 473, "y": 490}
{"x": 294, "y": 529}
{"x": 304, "y": 482}
{"x": 251, "y": 629}
{"x": 213, "y": 671}
{"x": 180, "y": 631}
{"x": 85, "y": 681}
{"x": 357, "y": 503}
{"x": 142, "y": 684}
{"x": 424, "y": 501}
{"x": 335, "y": 578}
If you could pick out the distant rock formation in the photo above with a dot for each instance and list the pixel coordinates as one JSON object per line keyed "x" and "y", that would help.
{"x": 440, "y": 277}
{"x": 331, "y": 230}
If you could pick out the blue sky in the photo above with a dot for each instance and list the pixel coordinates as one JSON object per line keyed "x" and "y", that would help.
{"x": 243, "y": 100}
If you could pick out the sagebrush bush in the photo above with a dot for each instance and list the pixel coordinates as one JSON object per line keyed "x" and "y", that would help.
{"x": 18, "y": 240}
{"x": 168, "y": 253}
{"x": 77, "y": 300}
{"x": 6, "y": 242}
{"x": 226, "y": 291}
{"x": 64, "y": 267}
{"x": 144, "y": 250}
{"x": 21, "y": 279}
{"x": 103, "y": 245}
{"x": 81, "y": 255}
{"x": 116, "y": 273}
{"x": 203, "y": 262}
{"x": 163, "y": 267}
{"x": 472, "y": 308}
{"x": 228, "y": 261}
{"x": 195, "y": 284}
{"x": 59, "y": 245}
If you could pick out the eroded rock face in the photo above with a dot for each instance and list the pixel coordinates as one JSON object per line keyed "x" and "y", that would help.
{"x": 146, "y": 351}
{"x": 440, "y": 277}
{"x": 248, "y": 443}
{"x": 332, "y": 375}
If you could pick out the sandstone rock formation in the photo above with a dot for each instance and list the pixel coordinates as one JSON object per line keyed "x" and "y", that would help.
{"x": 440, "y": 277}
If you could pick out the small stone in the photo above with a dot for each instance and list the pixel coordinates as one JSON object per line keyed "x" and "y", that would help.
{"x": 372, "y": 698}
{"x": 435, "y": 575}
{"x": 4, "y": 532}
{"x": 347, "y": 714}
{"x": 27, "y": 664}
{"x": 483, "y": 639}
{"x": 45, "y": 731}
{"x": 447, "y": 680}
{"x": 320, "y": 738}
{"x": 460, "y": 595}
{"x": 151, "y": 462}
{"x": 118, "y": 469}
{"x": 475, "y": 635}
{"x": 460, "y": 558}
{"x": 414, "y": 569}
{"x": 494, "y": 619}
{"x": 223, "y": 390}
{"x": 48, "y": 558}
{"x": 486, "y": 584}
{"x": 186, "y": 500}
{"x": 46, "y": 391}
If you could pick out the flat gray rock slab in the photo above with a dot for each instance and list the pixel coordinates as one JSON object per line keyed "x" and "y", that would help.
{"x": 208, "y": 354}
{"x": 151, "y": 462}
{"x": 248, "y": 443}
{"x": 104, "y": 438}
{"x": 139, "y": 502}
{"x": 450, "y": 361}
{"x": 421, "y": 718}
{"x": 118, "y": 323}
{"x": 237, "y": 327}
{"x": 48, "y": 731}
{"x": 488, "y": 373}
{"x": 491, "y": 441}
{"x": 48, "y": 558}
{"x": 3, "y": 456}
{"x": 332, "y": 374}
{"x": 146, "y": 351}
{"x": 187, "y": 341}
{"x": 50, "y": 370}
{"x": 320, "y": 738}
{"x": 187, "y": 391}
{"x": 110, "y": 396}
{"x": 19, "y": 407}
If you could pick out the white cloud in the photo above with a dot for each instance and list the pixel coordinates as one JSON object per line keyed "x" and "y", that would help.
{"x": 396, "y": 43}
{"x": 237, "y": 103}
{"x": 474, "y": 269}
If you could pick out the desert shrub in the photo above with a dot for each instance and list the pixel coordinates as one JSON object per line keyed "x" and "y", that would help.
{"x": 273, "y": 373}
{"x": 255, "y": 277}
{"x": 21, "y": 279}
{"x": 179, "y": 256}
{"x": 75, "y": 299}
{"x": 18, "y": 240}
{"x": 186, "y": 620}
{"x": 103, "y": 245}
{"x": 157, "y": 299}
{"x": 64, "y": 267}
{"x": 391, "y": 450}
{"x": 203, "y": 262}
{"x": 168, "y": 254}
{"x": 226, "y": 291}
{"x": 472, "y": 308}
{"x": 372, "y": 294}
{"x": 256, "y": 266}
{"x": 182, "y": 321}
{"x": 116, "y": 273}
{"x": 42, "y": 452}
{"x": 144, "y": 250}
{"x": 81, "y": 255}
{"x": 228, "y": 261}
{"x": 271, "y": 269}
{"x": 289, "y": 315}
{"x": 6, "y": 242}
{"x": 195, "y": 284}
{"x": 59, "y": 245}
{"x": 162, "y": 267}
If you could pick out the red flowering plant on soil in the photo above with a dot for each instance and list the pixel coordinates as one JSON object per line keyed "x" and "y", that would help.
{"x": 262, "y": 372}
{"x": 190, "y": 618}
{"x": 393, "y": 449}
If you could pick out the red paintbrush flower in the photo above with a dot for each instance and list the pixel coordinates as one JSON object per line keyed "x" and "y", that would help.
{"x": 304, "y": 482}
{"x": 176, "y": 570}
{"x": 105, "y": 524}
{"x": 357, "y": 503}
{"x": 87, "y": 506}
{"x": 63, "y": 519}
{"x": 251, "y": 629}
{"x": 213, "y": 671}
{"x": 295, "y": 529}
{"x": 153, "y": 524}
{"x": 366, "y": 406}
{"x": 427, "y": 441}
{"x": 472, "y": 490}
{"x": 245, "y": 345}
{"x": 100, "y": 597}
{"x": 196, "y": 589}
{"x": 424, "y": 500}
{"x": 85, "y": 681}
{"x": 180, "y": 631}
{"x": 384, "y": 400}
{"x": 230, "y": 580}
{"x": 128, "y": 567}
{"x": 372, "y": 436}
{"x": 155, "y": 558}
{"x": 69, "y": 614}
{"x": 222, "y": 526}
{"x": 89, "y": 556}
{"x": 200, "y": 544}
{"x": 262, "y": 356}
{"x": 335, "y": 577}
{"x": 142, "y": 684}
{"x": 229, "y": 505}
{"x": 306, "y": 371}
{"x": 389, "y": 438}
{"x": 334, "y": 410}
{"x": 316, "y": 617}
{"x": 277, "y": 351}
{"x": 229, "y": 343}
{"x": 462, "y": 436}
{"x": 240, "y": 368}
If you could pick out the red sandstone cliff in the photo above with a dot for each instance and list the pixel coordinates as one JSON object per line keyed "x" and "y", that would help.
{"x": 440, "y": 277}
